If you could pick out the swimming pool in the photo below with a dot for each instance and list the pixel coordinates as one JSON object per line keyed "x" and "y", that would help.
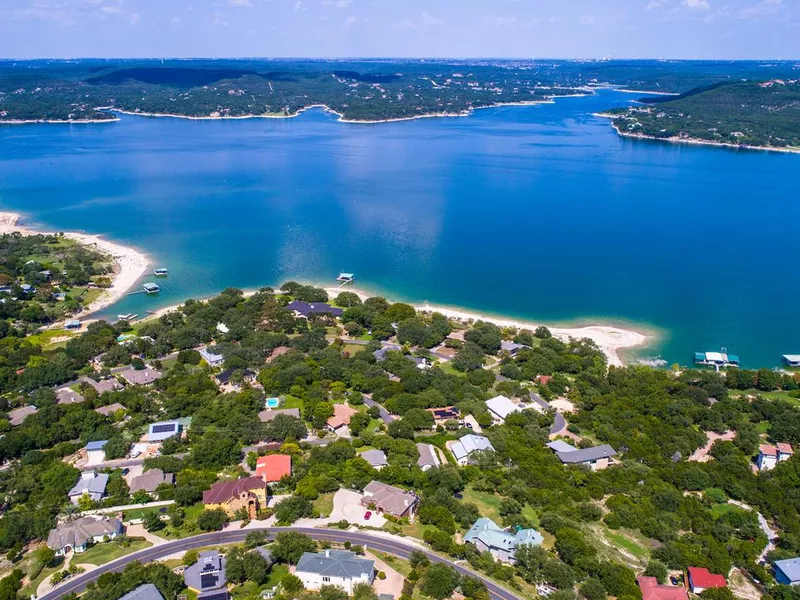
{"x": 273, "y": 402}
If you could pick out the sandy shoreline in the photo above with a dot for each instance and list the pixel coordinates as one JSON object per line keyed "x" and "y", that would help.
{"x": 610, "y": 339}
{"x": 129, "y": 264}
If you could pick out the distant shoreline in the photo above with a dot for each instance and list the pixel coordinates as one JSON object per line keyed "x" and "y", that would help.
{"x": 693, "y": 141}
{"x": 341, "y": 119}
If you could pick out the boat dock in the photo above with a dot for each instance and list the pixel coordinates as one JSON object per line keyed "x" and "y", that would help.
{"x": 718, "y": 360}
{"x": 345, "y": 278}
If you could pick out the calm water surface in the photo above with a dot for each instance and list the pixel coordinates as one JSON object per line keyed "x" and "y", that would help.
{"x": 538, "y": 212}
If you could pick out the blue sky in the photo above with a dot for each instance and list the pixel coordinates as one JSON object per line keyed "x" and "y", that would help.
{"x": 404, "y": 28}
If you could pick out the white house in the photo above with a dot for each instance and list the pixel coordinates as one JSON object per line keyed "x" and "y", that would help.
{"x": 500, "y": 407}
{"x": 341, "y": 568}
{"x": 75, "y": 535}
{"x": 767, "y": 457}
{"x": 95, "y": 453}
{"x": 91, "y": 484}
{"x": 467, "y": 445}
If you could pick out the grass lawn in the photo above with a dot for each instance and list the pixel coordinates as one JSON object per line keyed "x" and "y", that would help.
{"x": 488, "y": 504}
{"x": 30, "y": 589}
{"x": 248, "y": 589}
{"x": 719, "y": 510}
{"x": 137, "y": 513}
{"x": 767, "y": 395}
{"x": 352, "y": 348}
{"x": 44, "y": 338}
{"x": 530, "y": 514}
{"x": 106, "y": 552}
{"x": 448, "y": 368}
{"x": 324, "y": 504}
{"x": 276, "y": 575}
{"x": 416, "y": 529}
{"x": 291, "y": 402}
{"x": 621, "y": 545}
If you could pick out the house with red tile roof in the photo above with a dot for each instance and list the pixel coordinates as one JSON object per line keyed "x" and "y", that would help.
{"x": 341, "y": 417}
{"x": 249, "y": 493}
{"x": 652, "y": 590}
{"x": 785, "y": 451}
{"x": 701, "y": 579}
{"x": 273, "y": 467}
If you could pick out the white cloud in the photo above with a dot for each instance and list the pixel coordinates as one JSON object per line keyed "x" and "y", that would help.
{"x": 697, "y": 4}
{"x": 246, "y": 3}
{"x": 428, "y": 19}
{"x": 220, "y": 20}
{"x": 497, "y": 21}
{"x": 337, "y": 3}
{"x": 135, "y": 18}
{"x": 587, "y": 20}
{"x": 299, "y": 6}
{"x": 110, "y": 10}
{"x": 654, "y": 4}
{"x": 350, "y": 21}
{"x": 764, "y": 8}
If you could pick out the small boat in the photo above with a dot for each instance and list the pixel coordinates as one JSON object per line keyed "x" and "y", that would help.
{"x": 127, "y": 317}
{"x": 162, "y": 272}
{"x": 151, "y": 288}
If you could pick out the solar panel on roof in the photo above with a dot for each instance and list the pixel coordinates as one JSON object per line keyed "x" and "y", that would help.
{"x": 208, "y": 580}
{"x": 164, "y": 428}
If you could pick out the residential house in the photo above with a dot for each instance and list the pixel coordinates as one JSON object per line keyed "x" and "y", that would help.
{"x": 787, "y": 571}
{"x": 273, "y": 467}
{"x": 596, "y": 458}
{"x": 428, "y": 456}
{"x": 158, "y": 432}
{"x": 701, "y": 579}
{"x": 68, "y": 396}
{"x": 340, "y": 420}
{"x": 380, "y": 353}
{"x": 212, "y": 360}
{"x": 512, "y": 347}
{"x": 146, "y": 591}
{"x": 306, "y": 309}
{"x": 95, "y": 453}
{"x": 249, "y": 493}
{"x": 224, "y": 378}
{"x": 207, "y": 577}
{"x": 500, "y": 407}
{"x": 91, "y": 484}
{"x": 270, "y": 413}
{"x": 390, "y": 500}
{"x": 150, "y": 480}
{"x": 109, "y": 410}
{"x": 279, "y": 351}
{"x": 487, "y": 536}
{"x": 652, "y": 590}
{"x": 767, "y": 457}
{"x": 18, "y": 415}
{"x": 376, "y": 458}
{"x": 785, "y": 451}
{"x": 76, "y": 535}
{"x": 104, "y": 385}
{"x": 341, "y": 568}
{"x": 222, "y": 328}
{"x": 144, "y": 376}
{"x": 444, "y": 414}
{"x": 467, "y": 445}
{"x": 72, "y": 324}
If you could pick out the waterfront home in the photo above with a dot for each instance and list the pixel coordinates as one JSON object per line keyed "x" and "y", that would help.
{"x": 487, "y": 536}
{"x": 652, "y": 590}
{"x": 390, "y": 500}
{"x": 464, "y": 449}
{"x": 340, "y": 420}
{"x": 146, "y": 591}
{"x": 500, "y": 407}
{"x": 68, "y": 396}
{"x": 18, "y": 415}
{"x": 95, "y": 453}
{"x": 428, "y": 456}
{"x": 72, "y": 324}
{"x": 791, "y": 360}
{"x": 717, "y": 360}
{"x": 769, "y": 456}
{"x": 273, "y": 467}
{"x": 109, "y": 410}
{"x": 701, "y": 579}
{"x": 207, "y": 576}
{"x": 340, "y": 568}
{"x": 269, "y": 414}
{"x": 787, "y": 571}
{"x": 376, "y": 458}
{"x": 158, "y": 432}
{"x": 212, "y": 360}
{"x": 145, "y": 376}
{"x": 74, "y": 536}
{"x": 249, "y": 493}
{"x": 90, "y": 483}
{"x": 306, "y": 309}
{"x": 150, "y": 480}
{"x": 595, "y": 458}
{"x": 512, "y": 347}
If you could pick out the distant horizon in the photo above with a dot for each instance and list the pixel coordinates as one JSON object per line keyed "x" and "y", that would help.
{"x": 404, "y": 58}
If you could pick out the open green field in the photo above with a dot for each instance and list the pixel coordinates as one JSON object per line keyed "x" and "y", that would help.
{"x": 324, "y": 504}
{"x": 30, "y": 589}
{"x": 106, "y": 552}
{"x": 488, "y": 504}
{"x": 621, "y": 545}
{"x": 768, "y": 395}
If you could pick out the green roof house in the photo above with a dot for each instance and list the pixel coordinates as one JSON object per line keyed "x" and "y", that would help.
{"x": 486, "y": 535}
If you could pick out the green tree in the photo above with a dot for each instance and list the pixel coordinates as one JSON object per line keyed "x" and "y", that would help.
{"x": 289, "y": 546}
{"x": 439, "y": 581}
{"x": 212, "y": 520}
{"x": 292, "y": 508}
{"x": 657, "y": 569}
{"x": 152, "y": 522}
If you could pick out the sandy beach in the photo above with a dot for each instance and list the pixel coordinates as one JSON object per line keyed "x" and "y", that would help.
{"x": 129, "y": 264}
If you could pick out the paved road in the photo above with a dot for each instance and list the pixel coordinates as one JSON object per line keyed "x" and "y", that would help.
{"x": 390, "y": 546}
{"x": 384, "y": 414}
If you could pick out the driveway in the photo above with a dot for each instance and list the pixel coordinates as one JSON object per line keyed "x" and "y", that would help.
{"x": 393, "y": 581}
{"x": 347, "y": 506}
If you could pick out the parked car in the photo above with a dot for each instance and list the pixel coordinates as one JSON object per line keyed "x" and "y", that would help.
{"x": 367, "y": 515}
{"x": 125, "y": 471}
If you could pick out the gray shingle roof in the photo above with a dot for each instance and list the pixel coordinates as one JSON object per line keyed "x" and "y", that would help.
{"x": 586, "y": 454}
{"x": 335, "y": 563}
{"x": 208, "y": 573}
{"x": 146, "y": 591}
{"x": 377, "y": 458}
{"x": 76, "y": 533}
{"x": 18, "y": 415}
{"x": 150, "y": 480}
{"x": 94, "y": 485}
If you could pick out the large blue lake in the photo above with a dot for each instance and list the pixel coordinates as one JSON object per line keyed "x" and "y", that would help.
{"x": 538, "y": 212}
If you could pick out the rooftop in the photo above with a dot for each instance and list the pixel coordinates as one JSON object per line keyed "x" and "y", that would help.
{"x": 377, "y": 458}
{"x": 501, "y": 406}
{"x": 341, "y": 415}
{"x": 494, "y": 536}
{"x": 146, "y": 591}
{"x": 703, "y": 578}
{"x": 18, "y": 415}
{"x": 790, "y": 567}
{"x": 222, "y": 491}
{"x": 273, "y": 467}
{"x": 586, "y": 454}
{"x": 652, "y": 590}
{"x": 150, "y": 480}
{"x": 388, "y": 498}
{"x": 269, "y": 415}
{"x": 110, "y": 409}
{"x": 144, "y": 376}
{"x": 90, "y": 483}
{"x": 427, "y": 455}
{"x": 768, "y": 450}
{"x": 68, "y": 396}
{"x": 314, "y": 308}
{"x": 76, "y": 533}
{"x": 208, "y": 573}
{"x": 336, "y": 563}
{"x": 96, "y": 445}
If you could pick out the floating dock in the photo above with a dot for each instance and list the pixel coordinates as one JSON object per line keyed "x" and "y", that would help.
{"x": 127, "y": 317}
{"x": 345, "y": 278}
{"x": 162, "y": 272}
{"x": 151, "y": 288}
{"x": 718, "y": 360}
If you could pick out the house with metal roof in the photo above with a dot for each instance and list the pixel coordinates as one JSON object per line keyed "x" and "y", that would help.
{"x": 500, "y": 407}
{"x": 212, "y": 359}
{"x": 717, "y": 360}
{"x": 341, "y": 568}
{"x": 91, "y": 484}
{"x": 207, "y": 577}
{"x": 596, "y": 458}
{"x": 487, "y": 536}
{"x": 376, "y": 458}
{"x": 512, "y": 347}
{"x": 791, "y": 360}
{"x": 306, "y": 309}
{"x": 467, "y": 445}
{"x": 701, "y": 579}
{"x": 75, "y": 535}
{"x": 158, "y": 432}
{"x": 95, "y": 453}
{"x": 390, "y": 500}
{"x": 146, "y": 591}
{"x": 787, "y": 571}
{"x": 428, "y": 457}
{"x": 273, "y": 467}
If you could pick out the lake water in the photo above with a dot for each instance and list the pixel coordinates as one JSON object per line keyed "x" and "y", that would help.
{"x": 537, "y": 212}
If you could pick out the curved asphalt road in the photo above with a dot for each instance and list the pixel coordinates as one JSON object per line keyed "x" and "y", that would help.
{"x": 390, "y": 546}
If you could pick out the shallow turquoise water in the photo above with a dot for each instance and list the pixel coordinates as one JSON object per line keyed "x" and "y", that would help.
{"x": 539, "y": 212}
